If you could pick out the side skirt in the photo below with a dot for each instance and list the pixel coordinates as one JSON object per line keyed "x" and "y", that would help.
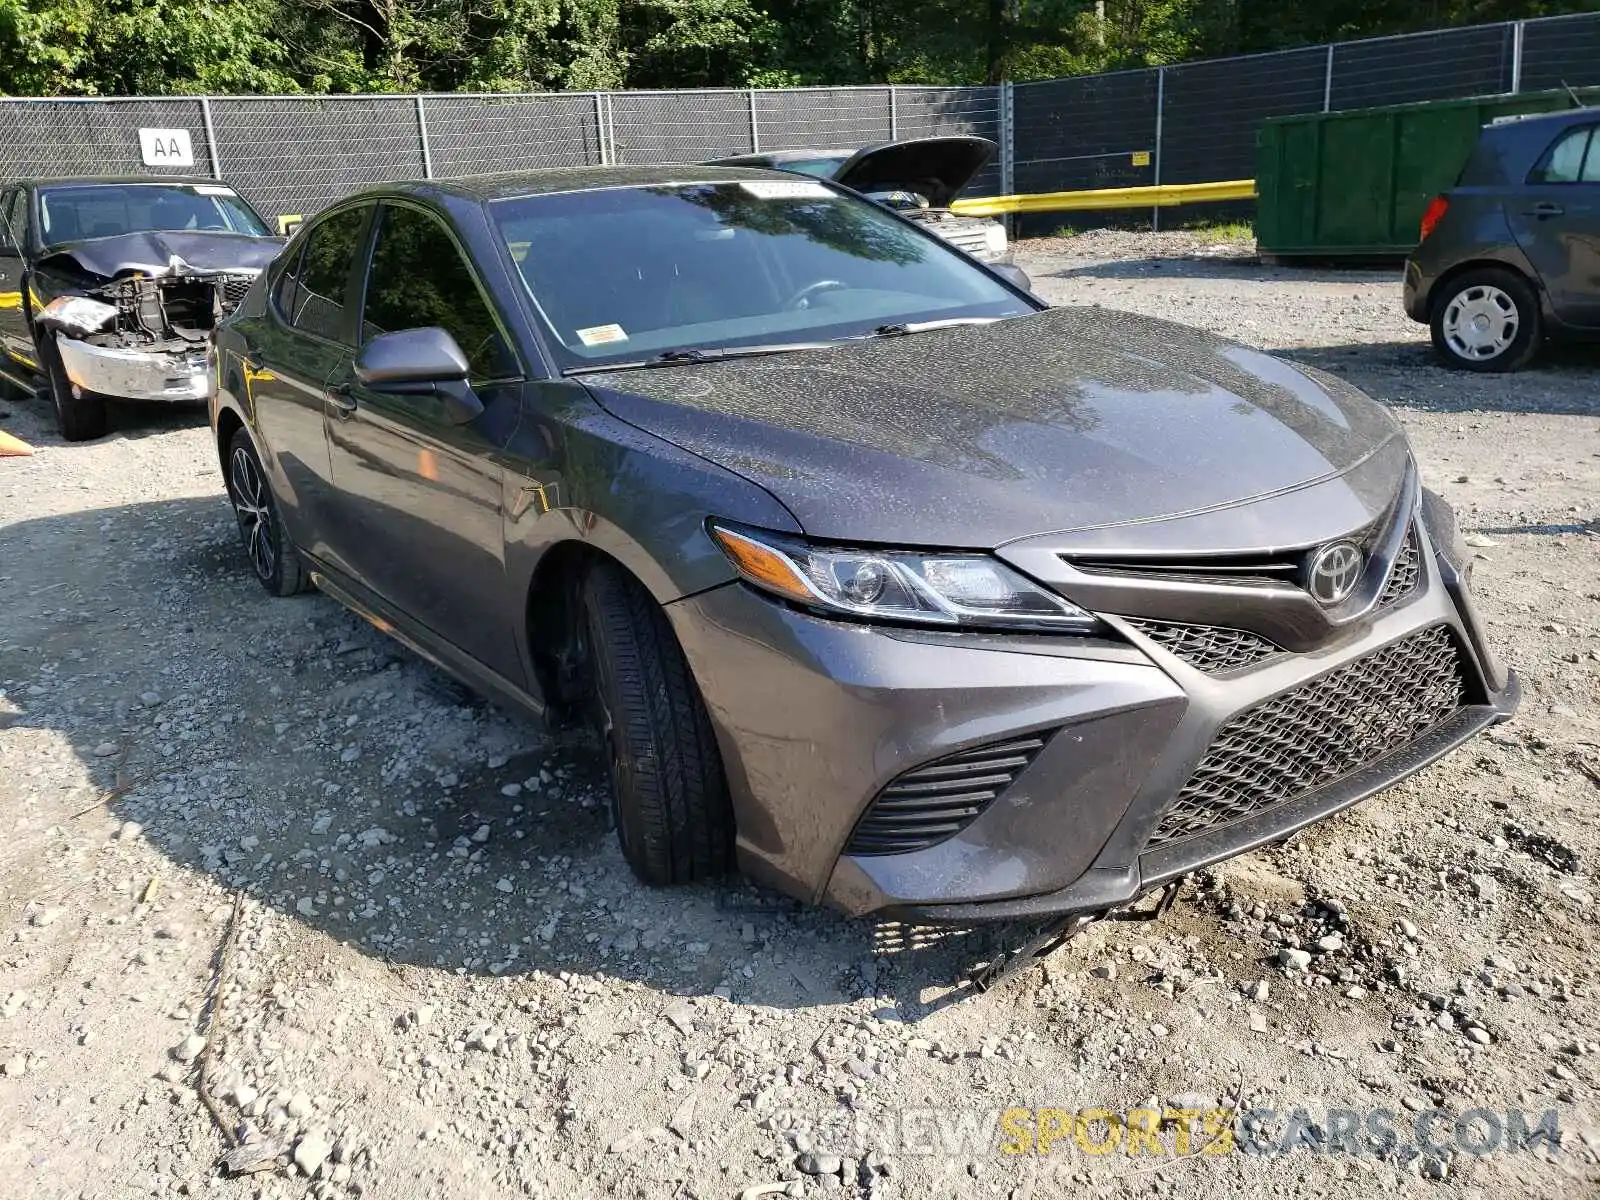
{"x": 441, "y": 654}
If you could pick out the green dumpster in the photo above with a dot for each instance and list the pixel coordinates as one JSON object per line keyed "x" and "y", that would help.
{"x": 1356, "y": 182}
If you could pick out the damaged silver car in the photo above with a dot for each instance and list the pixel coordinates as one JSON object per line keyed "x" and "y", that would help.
{"x": 110, "y": 288}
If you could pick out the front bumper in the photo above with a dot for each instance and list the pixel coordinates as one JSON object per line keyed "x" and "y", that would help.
{"x": 135, "y": 374}
{"x": 815, "y": 717}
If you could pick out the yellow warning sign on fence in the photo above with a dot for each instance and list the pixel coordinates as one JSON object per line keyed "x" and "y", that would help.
{"x": 1141, "y": 158}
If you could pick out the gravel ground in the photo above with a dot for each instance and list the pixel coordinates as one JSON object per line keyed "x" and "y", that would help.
{"x": 253, "y": 843}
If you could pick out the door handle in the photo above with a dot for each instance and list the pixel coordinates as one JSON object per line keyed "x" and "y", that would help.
{"x": 1545, "y": 209}
{"x": 341, "y": 401}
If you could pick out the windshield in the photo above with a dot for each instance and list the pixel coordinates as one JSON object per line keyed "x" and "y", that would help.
{"x": 631, "y": 272}
{"x": 79, "y": 211}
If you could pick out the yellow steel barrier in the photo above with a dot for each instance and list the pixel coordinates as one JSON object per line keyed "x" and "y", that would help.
{"x": 1163, "y": 195}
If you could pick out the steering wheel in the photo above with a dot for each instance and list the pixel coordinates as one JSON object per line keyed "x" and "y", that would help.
{"x": 802, "y": 298}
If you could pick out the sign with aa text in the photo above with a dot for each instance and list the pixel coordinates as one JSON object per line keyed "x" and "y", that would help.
{"x": 166, "y": 148}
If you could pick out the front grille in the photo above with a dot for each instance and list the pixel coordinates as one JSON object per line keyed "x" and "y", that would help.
{"x": 939, "y": 799}
{"x": 966, "y": 237}
{"x": 1236, "y": 570}
{"x": 1209, "y": 648}
{"x": 1320, "y": 731}
{"x": 233, "y": 289}
{"x": 1405, "y": 572}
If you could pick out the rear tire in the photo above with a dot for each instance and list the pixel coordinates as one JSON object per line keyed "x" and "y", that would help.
{"x": 1487, "y": 320}
{"x": 670, "y": 795}
{"x": 273, "y": 555}
{"x": 81, "y": 417}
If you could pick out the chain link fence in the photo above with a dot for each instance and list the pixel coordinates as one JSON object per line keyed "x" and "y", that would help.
{"x": 295, "y": 154}
{"x": 1196, "y": 122}
{"x": 1191, "y": 123}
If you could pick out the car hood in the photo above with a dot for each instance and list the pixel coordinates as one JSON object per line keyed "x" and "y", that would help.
{"x": 935, "y": 167}
{"x": 160, "y": 252}
{"x": 1065, "y": 420}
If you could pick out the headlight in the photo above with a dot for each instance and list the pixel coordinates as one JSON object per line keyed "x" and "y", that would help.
{"x": 994, "y": 240}
{"x": 966, "y": 590}
{"x": 77, "y": 314}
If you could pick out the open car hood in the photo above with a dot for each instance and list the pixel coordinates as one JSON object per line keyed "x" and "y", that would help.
{"x": 935, "y": 167}
{"x": 162, "y": 252}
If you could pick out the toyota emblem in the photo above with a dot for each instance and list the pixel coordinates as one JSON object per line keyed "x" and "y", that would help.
{"x": 1335, "y": 571}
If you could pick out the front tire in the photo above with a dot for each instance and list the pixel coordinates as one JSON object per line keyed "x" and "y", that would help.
{"x": 272, "y": 553}
{"x": 80, "y": 415}
{"x": 1487, "y": 320}
{"x": 670, "y": 795}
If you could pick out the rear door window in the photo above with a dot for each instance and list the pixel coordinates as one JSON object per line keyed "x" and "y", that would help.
{"x": 311, "y": 293}
{"x": 1573, "y": 159}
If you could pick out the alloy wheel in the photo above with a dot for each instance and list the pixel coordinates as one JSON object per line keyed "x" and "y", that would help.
{"x": 252, "y": 505}
{"x": 1481, "y": 322}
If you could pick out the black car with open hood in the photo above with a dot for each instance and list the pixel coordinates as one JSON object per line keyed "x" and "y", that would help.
{"x": 918, "y": 177}
{"x": 110, "y": 287}
{"x": 936, "y": 168}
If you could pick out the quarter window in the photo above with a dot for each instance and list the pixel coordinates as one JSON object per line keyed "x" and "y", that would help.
{"x": 419, "y": 279}
{"x": 311, "y": 293}
{"x": 288, "y": 280}
{"x": 15, "y": 214}
{"x": 1573, "y": 159}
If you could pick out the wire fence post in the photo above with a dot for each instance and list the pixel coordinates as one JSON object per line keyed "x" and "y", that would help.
{"x": 1327, "y": 82}
{"x": 1161, "y": 105}
{"x": 1518, "y": 29}
{"x": 894, "y": 115}
{"x": 755, "y": 125}
{"x": 1008, "y": 140}
{"x": 600, "y": 128}
{"x": 211, "y": 137}
{"x": 422, "y": 136}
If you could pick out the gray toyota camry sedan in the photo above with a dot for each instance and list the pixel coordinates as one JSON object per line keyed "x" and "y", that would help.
{"x": 877, "y": 577}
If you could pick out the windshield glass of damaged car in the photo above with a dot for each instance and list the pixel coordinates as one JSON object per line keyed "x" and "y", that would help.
{"x": 82, "y": 211}
{"x": 639, "y": 271}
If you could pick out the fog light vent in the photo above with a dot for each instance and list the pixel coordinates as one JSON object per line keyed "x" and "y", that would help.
{"x": 939, "y": 799}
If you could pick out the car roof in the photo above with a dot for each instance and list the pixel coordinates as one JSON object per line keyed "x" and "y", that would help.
{"x": 1506, "y": 151}
{"x": 566, "y": 179}
{"x": 1543, "y": 123}
{"x": 69, "y": 180}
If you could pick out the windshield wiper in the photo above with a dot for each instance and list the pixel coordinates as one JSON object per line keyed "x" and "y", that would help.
{"x": 901, "y": 328}
{"x": 690, "y": 355}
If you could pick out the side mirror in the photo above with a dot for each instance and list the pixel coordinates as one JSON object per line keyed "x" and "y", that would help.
{"x": 1013, "y": 274}
{"x": 420, "y": 362}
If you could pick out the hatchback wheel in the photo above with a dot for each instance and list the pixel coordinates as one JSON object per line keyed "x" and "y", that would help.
{"x": 670, "y": 796}
{"x": 272, "y": 554}
{"x": 1487, "y": 320}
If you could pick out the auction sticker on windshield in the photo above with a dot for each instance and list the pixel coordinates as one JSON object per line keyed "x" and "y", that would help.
{"x": 785, "y": 189}
{"x": 599, "y": 335}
